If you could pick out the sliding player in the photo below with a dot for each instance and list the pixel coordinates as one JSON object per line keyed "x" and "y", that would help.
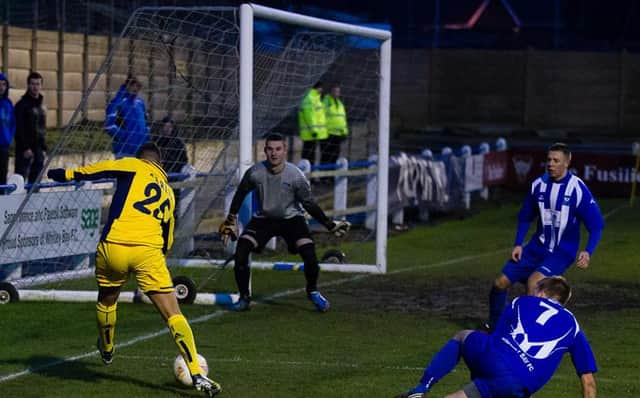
{"x": 523, "y": 352}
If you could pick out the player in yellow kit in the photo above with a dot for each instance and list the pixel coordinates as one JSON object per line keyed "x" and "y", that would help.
{"x": 138, "y": 233}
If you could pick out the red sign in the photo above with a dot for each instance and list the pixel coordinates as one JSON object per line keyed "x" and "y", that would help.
{"x": 604, "y": 174}
{"x": 496, "y": 168}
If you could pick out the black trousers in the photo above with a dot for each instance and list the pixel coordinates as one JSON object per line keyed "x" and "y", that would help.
{"x": 330, "y": 149}
{"x": 29, "y": 168}
{"x": 4, "y": 165}
{"x": 309, "y": 151}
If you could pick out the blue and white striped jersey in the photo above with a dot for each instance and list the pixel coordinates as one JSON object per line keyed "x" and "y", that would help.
{"x": 560, "y": 206}
{"x": 534, "y": 333}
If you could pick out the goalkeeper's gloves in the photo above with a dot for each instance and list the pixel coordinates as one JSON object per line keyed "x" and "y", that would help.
{"x": 340, "y": 228}
{"x": 57, "y": 175}
{"x": 228, "y": 229}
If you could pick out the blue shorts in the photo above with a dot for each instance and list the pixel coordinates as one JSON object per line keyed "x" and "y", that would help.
{"x": 536, "y": 257}
{"x": 490, "y": 371}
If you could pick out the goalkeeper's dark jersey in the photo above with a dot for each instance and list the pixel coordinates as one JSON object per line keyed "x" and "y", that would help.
{"x": 141, "y": 211}
{"x": 283, "y": 195}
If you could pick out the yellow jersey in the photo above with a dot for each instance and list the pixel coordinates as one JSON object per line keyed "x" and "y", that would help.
{"x": 141, "y": 211}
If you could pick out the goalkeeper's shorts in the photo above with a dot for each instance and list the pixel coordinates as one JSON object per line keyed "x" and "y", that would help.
{"x": 293, "y": 230}
{"x": 115, "y": 261}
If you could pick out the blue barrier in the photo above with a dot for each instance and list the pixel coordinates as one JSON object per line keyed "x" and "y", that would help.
{"x": 351, "y": 165}
{"x": 172, "y": 177}
{"x": 288, "y": 267}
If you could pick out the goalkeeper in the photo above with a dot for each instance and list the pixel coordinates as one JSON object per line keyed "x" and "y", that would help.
{"x": 283, "y": 194}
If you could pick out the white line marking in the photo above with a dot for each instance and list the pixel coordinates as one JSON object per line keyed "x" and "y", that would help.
{"x": 219, "y": 313}
{"x": 315, "y": 364}
{"x": 284, "y": 293}
{"x": 613, "y": 211}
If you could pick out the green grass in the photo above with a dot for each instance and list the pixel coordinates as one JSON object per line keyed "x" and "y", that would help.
{"x": 375, "y": 341}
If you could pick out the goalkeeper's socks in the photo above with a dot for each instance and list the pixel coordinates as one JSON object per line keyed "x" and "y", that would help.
{"x": 441, "y": 364}
{"x": 106, "y": 321}
{"x": 311, "y": 267}
{"x": 183, "y": 336}
{"x": 241, "y": 270}
{"x": 497, "y": 301}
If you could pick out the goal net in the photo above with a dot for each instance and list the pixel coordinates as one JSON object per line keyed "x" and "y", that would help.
{"x": 212, "y": 82}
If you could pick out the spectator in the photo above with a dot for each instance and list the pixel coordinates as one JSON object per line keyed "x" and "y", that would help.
{"x": 126, "y": 119}
{"x": 174, "y": 152}
{"x": 31, "y": 128}
{"x": 336, "y": 126}
{"x": 7, "y": 127}
{"x": 312, "y": 122}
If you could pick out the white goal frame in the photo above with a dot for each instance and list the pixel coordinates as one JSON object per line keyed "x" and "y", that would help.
{"x": 247, "y": 14}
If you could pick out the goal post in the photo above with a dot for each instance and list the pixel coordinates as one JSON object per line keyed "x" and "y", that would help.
{"x": 248, "y": 12}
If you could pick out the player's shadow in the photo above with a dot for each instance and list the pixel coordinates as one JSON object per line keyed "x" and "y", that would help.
{"x": 85, "y": 371}
{"x": 298, "y": 305}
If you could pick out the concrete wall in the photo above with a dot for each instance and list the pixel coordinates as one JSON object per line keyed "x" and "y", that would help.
{"x": 530, "y": 89}
{"x": 66, "y": 62}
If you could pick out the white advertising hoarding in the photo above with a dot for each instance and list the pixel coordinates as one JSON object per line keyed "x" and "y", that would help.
{"x": 474, "y": 173}
{"x": 52, "y": 224}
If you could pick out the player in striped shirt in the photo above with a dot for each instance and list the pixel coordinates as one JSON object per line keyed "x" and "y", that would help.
{"x": 561, "y": 202}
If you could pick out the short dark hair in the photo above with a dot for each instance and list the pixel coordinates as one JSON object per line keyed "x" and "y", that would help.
{"x": 148, "y": 147}
{"x": 274, "y": 137}
{"x": 318, "y": 84}
{"x": 167, "y": 119}
{"x": 34, "y": 75}
{"x": 132, "y": 80}
{"x": 555, "y": 287}
{"x": 560, "y": 147}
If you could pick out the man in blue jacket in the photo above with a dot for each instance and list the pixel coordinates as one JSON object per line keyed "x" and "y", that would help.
{"x": 126, "y": 120}
{"x": 7, "y": 127}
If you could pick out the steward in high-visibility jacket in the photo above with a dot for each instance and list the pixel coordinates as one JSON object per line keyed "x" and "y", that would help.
{"x": 312, "y": 122}
{"x": 311, "y": 117}
{"x": 336, "y": 116}
{"x": 336, "y": 126}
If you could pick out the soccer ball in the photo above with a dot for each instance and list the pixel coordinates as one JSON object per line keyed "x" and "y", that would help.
{"x": 181, "y": 370}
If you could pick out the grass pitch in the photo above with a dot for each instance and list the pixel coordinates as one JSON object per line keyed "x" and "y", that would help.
{"x": 375, "y": 341}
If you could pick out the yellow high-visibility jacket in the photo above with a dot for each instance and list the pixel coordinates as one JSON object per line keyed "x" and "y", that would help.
{"x": 311, "y": 118}
{"x": 336, "y": 116}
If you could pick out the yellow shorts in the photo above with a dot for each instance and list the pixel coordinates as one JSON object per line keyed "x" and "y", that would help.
{"x": 114, "y": 263}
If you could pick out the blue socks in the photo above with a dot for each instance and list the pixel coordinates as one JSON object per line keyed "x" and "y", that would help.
{"x": 441, "y": 364}
{"x": 497, "y": 301}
